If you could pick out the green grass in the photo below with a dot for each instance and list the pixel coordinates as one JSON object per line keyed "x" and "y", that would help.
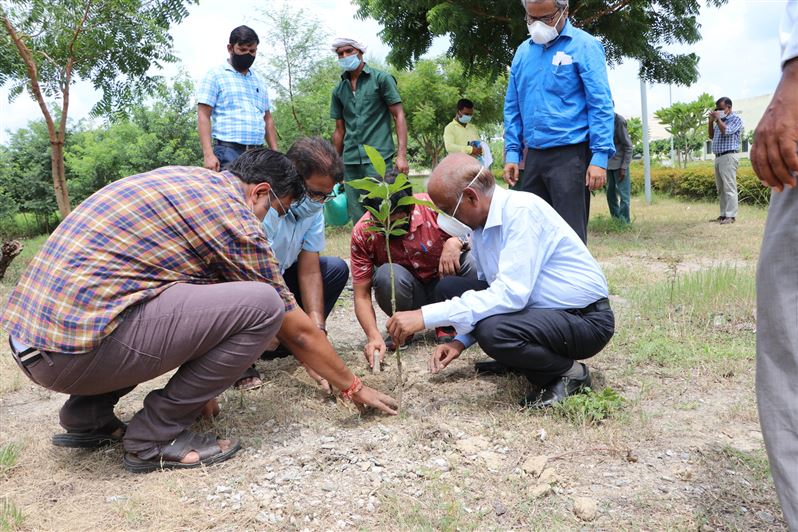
{"x": 11, "y": 517}
{"x": 9, "y": 454}
{"x": 591, "y": 407}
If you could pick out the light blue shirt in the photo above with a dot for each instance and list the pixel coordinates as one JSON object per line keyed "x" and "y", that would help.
{"x": 558, "y": 95}
{"x": 530, "y": 258}
{"x": 288, "y": 236}
{"x": 239, "y": 103}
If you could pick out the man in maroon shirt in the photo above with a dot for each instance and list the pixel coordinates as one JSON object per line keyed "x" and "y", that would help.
{"x": 420, "y": 258}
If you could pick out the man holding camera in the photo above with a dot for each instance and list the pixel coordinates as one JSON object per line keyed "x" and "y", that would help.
{"x": 725, "y": 129}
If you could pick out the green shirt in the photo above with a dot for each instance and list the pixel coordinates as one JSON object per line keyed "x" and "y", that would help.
{"x": 365, "y": 113}
{"x": 456, "y": 137}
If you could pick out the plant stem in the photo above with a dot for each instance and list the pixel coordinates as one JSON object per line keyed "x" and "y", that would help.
{"x": 399, "y": 383}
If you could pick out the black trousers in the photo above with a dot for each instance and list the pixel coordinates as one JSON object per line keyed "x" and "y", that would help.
{"x": 334, "y": 274}
{"x": 558, "y": 176}
{"x": 542, "y": 343}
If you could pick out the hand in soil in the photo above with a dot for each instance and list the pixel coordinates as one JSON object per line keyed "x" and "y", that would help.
{"x": 403, "y": 324}
{"x": 443, "y": 355}
{"x": 376, "y": 399}
{"x": 374, "y": 352}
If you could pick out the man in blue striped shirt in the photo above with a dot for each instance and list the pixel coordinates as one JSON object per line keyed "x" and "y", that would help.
{"x": 233, "y": 112}
{"x": 559, "y": 105}
{"x": 725, "y": 129}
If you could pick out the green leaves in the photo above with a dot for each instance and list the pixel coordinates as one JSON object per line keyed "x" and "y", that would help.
{"x": 687, "y": 122}
{"x": 376, "y": 159}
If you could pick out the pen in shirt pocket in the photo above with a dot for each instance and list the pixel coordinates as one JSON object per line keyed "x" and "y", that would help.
{"x": 424, "y": 248}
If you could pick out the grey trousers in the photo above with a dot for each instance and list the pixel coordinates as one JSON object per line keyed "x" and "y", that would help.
{"x": 777, "y": 347}
{"x": 412, "y": 294}
{"x": 212, "y": 333}
{"x": 726, "y": 183}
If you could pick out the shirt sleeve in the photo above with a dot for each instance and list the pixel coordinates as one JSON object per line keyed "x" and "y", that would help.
{"x": 624, "y": 145}
{"x": 248, "y": 257}
{"x": 513, "y": 126}
{"x": 359, "y": 258}
{"x": 208, "y": 90}
{"x": 336, "y": 109}
{"x": 450, "y": 142}
{"x": 389, "y": 90}
{"x": 598, "y": 98}
{"x": 789, "y": 32}
{"x": 733, "y": 125}
{"x": 313, "y": 240}
{"x": 512, "y": 288}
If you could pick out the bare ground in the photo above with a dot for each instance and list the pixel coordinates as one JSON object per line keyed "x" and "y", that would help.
{"x": 685, "y": 452}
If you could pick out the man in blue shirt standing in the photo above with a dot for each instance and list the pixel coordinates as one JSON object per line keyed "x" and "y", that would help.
{"x": 537, "y": 316}
{"x": 233, "y": 112}
{"x": 725, "y": 129}
{"x": 297, "y": 239}
{"x": 559, "y": 105}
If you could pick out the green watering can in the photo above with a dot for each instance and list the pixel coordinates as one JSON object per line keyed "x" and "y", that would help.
{"x": 335, "y": 212}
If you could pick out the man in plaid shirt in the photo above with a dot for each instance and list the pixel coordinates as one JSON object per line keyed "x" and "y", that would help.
{"x": 725, "y": 129}
{"x": 164, "y": 270}
{"x": 233, "y": 105}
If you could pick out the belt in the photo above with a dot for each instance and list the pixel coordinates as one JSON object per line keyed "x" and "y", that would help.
{"x": 27, "y": 356}
{"x": 236, "y": 145}
{"x": 727, "y": 152}
{"x": 601, "y": 304}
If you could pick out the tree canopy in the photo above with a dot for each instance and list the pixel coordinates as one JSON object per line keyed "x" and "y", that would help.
{"x": 687, "y": 123}
{"x": 485, "y": 33}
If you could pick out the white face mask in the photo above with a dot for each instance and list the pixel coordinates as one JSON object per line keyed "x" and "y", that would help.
{"x": 542, "y": 33}
{"x": 451, "y": 225}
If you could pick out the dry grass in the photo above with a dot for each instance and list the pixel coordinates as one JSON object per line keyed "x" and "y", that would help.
{"x": 684, "y": 451}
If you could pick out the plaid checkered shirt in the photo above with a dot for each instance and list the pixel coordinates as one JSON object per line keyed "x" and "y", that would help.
{"x": 129, "y": 242}
{"x": 729, "y": 141}
{"x": 239, "y": 102}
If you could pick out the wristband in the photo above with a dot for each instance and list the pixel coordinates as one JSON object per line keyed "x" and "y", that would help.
{"x": 355, "y": 387}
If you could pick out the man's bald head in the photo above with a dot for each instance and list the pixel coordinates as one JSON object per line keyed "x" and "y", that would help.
{"x": 453, "y": 175}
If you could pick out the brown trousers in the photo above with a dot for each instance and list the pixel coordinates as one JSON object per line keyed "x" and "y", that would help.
{"x": 212, "y": 333}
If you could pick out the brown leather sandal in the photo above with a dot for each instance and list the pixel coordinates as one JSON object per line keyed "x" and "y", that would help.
{"x": 249, "y": 373}
{"x": 168, "y": 455}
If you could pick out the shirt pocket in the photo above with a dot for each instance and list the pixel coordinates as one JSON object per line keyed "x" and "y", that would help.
{"x": 561, "y": 80}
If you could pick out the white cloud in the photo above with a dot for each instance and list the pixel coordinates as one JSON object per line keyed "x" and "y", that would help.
{"x": 739, "y": 53}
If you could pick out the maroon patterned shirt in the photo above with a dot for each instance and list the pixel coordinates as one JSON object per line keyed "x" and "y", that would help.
{"x": 419, "y": 251}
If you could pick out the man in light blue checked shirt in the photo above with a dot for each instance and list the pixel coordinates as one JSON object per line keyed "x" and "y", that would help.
{"x": 540, "y": 302}
{"x": 559, "y": 106}
{"x": 233, "y": 112}
{"x": 725, "y": 129}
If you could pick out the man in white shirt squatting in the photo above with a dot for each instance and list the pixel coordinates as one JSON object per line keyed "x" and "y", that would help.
{"x": 539, "y": 304}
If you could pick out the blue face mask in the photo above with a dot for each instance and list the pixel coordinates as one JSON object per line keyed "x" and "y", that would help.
{"x": 306, "y": 208}
{"x": 465, "y": 119}
{"x": 349, "y": 63}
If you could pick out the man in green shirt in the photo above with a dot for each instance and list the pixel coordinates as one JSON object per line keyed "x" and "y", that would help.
{"x": 362, "y": 105}
{"x": 460, "y": 131}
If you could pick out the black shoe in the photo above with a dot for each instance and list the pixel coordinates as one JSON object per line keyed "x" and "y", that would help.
{"x": 280, "y": 352}
{"x": 556, "y": 391}
{"x": 491, "y": 367}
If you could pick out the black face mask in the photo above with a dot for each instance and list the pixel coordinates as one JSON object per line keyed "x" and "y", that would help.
{"x": 242, "y": 61}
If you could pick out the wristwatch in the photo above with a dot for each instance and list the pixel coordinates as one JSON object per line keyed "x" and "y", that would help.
{"x": 466, "y": 243}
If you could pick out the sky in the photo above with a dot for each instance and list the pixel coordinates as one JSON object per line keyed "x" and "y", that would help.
{"x": 739, "y": 53}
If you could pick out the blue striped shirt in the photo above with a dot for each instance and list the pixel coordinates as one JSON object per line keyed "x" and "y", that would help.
{"x": 558, "y": 95}
{"x": 239, "y": 103}
{"x": 729, "y": 141}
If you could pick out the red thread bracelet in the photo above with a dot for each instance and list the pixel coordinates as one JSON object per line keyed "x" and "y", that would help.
{"x": 355, "y": 387}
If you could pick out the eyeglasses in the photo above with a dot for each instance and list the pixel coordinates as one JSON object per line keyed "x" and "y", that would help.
{"x": 547, "y": 20}
{"x": 319, "y": 196}
{"x": 457, "y": 205}
{"x": 280, "y": 203}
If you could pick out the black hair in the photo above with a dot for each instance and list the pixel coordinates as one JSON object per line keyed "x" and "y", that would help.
{"x": 725, "y": 101}
{"x": 465, "y": 103}
{"x": 314, "y": 155}
{"x": 244, "y": 35}
{"x": 390, "y": 178}
{"x": 263, "y": 165}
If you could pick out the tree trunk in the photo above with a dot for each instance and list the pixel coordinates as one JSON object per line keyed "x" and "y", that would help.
{"x": 8, "y": 252}
{"x": 59, "y": 177}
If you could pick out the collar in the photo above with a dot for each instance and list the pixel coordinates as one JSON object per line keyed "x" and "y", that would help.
{"x": 497, "y": 203}
{"x": 228, "y": 66}
{"x": 366, "y": 70}
{"x": 236, "y": 182}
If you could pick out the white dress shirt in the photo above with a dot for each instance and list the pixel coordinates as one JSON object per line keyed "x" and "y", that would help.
{"x": 788, "y": 32}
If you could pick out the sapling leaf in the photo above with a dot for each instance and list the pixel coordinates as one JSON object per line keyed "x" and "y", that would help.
{"x": 374, "y": 212}
{"x": 410, "y": 200}
{"x": 398, "y": 232}
{"x": 376, "y": 159}
{"x": 368, "y": 184}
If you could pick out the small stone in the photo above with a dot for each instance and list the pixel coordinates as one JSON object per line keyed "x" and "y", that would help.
{"x": 441, "y": 463}
{"x": 115, "y": 498}
{"x": 472, "y": 445}
{"x": 585, "y": 508}
{"x": 492, "y": 460}
{"x": 764, "y": 515}
{"x": 542, "y": 434}
{"x": 535, "y": 465}
{"x": 223, "y": 489}
{"x": 539, "y": 491}
{"x": 548, "y": 477}
{"x": 499, "y": 508}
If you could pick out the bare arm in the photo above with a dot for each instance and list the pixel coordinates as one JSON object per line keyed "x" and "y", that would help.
{"x": 711, "y": 127}
{"x": 271, "y": 131}
{"x": 364, "y": 311}
{"x": 311, "y": 287}
{"x": 398, "y": 113}
{"x": 338, "y": 136}
{"x": 204, "y": 128}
